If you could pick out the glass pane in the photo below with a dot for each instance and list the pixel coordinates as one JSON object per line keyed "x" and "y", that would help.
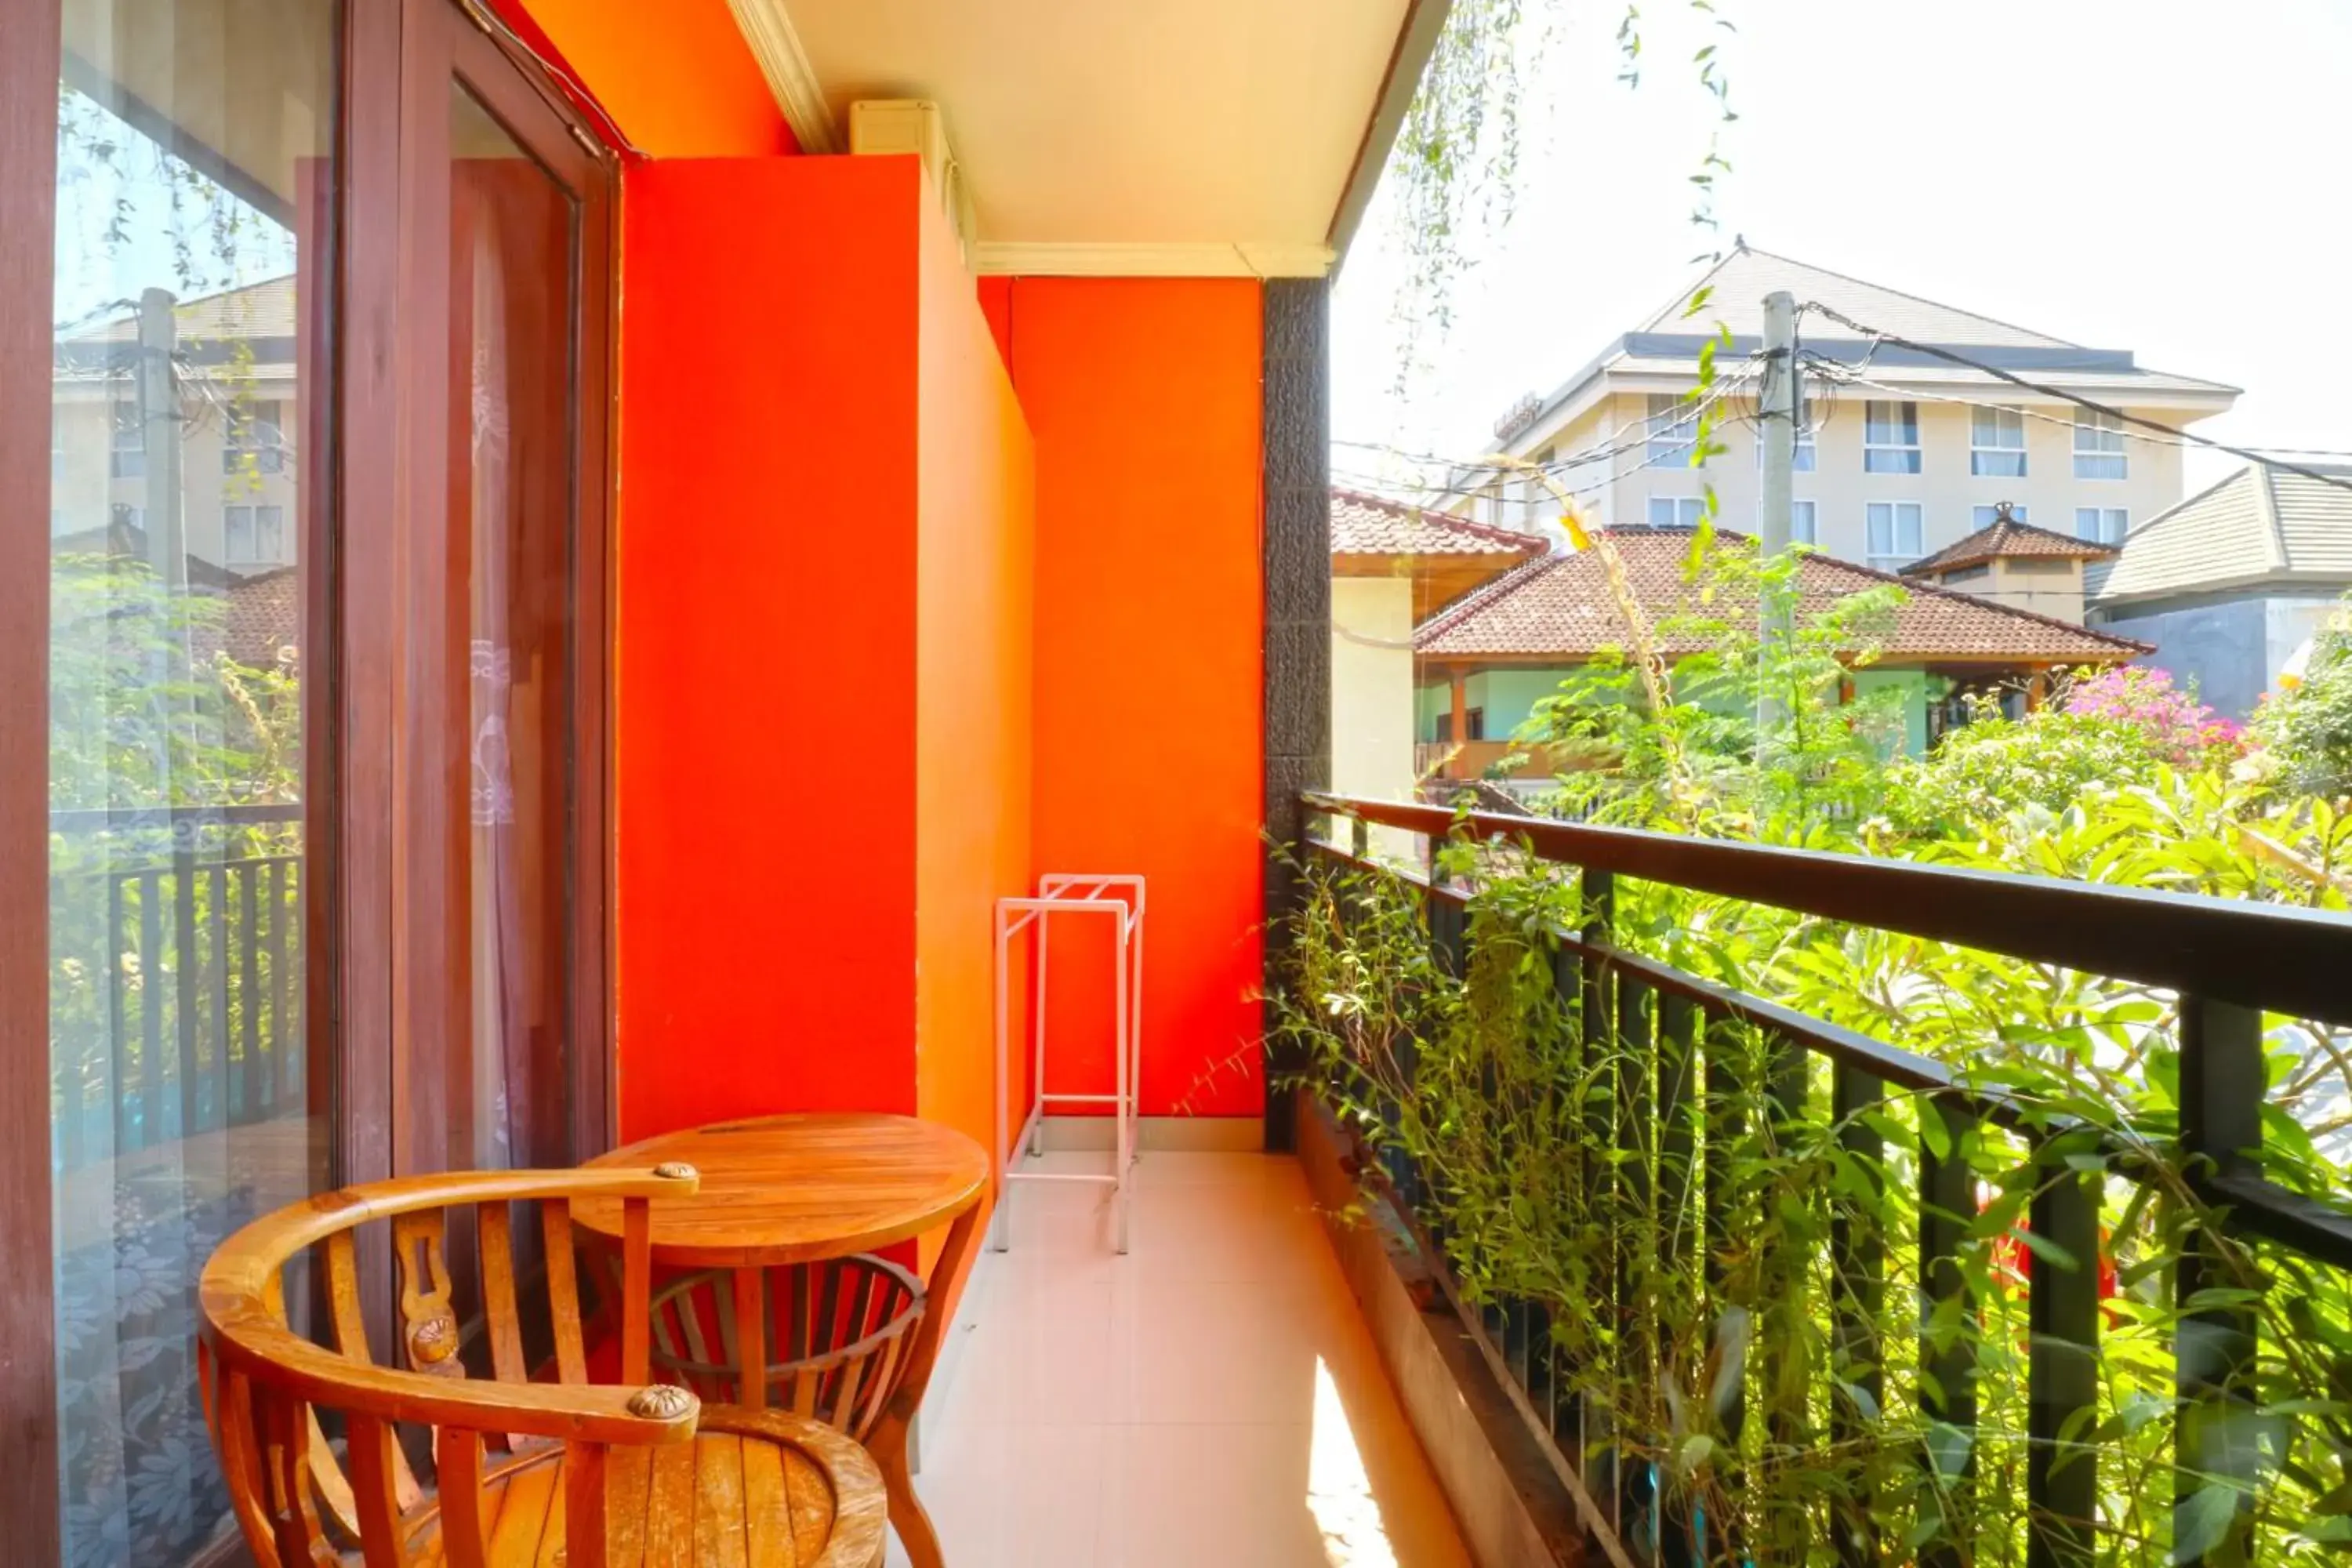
{"x": 195, "y": 183}
{"x": 505, "y": 1084}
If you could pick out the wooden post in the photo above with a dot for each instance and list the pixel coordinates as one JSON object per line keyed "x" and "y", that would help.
{"x": 1453, "y": 767}
{"x": 2037, "y": 689}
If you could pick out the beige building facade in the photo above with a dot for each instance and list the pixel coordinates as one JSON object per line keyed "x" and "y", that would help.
{"x": 1904, "y": 454}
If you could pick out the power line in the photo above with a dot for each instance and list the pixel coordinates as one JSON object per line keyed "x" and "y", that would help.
{"x": 1842, "y": 374}
{"x": 2044, "y": 389}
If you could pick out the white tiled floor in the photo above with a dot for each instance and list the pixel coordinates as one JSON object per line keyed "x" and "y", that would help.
{"x": 1210, "y": 1400}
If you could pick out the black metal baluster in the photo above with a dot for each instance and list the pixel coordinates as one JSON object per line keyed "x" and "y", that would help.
{"x": 1678, "y": 1182}
{"x": 1948, "y": 1350}
{"x": 2063, "y": 1371}
{"x": 249, "y": 994}
{"x": 1597, "y": 1445}
{"x": 1360, "y": 837}
{"x": 118, "y": 984}
{"x": 1858, "y": 1257}
{"x": 1637, "y": 1243}
{"x": 1723, "y": 1090}
{"x": 188, "y": 987}
{"x": 149, "y": 1114}
{"x": 2222, "y": 1089}
{"x": 1567, "y": 1113}
{"x": 217, "y": 979}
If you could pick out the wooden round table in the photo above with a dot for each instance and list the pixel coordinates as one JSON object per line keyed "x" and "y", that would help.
{"x": 782, "y": 1191}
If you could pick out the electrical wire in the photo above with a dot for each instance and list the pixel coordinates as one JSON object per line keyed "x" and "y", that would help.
{"x": 1951, "y": 356}
{"x": 1843, "y": 374}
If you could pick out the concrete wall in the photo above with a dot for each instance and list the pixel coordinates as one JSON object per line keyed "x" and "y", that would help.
{"x": 2230, "y": 648}
{"x": 2221, "y": 649}
{"x": 1371, "y": 691}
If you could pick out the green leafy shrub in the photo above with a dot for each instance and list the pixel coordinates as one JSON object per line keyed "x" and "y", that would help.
{"x": 2305, "y": 731}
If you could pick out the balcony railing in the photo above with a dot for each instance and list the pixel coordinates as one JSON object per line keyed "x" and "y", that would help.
{"x": 1663, "y": 1110}
{"x": 176, "y": 971}
{"x": 1472, "y": 759}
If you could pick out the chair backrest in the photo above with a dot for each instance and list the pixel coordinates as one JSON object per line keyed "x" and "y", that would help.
{"x": 272, "y": 1395}
{"x": 830, "y": 1342}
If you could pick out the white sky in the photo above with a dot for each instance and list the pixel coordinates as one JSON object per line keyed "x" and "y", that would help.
{"x": 2168, "y": 176}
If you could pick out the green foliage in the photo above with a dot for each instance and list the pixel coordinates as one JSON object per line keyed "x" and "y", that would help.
{"x": 1693, "y": 756}
{"x": 1768, "y": 1368}
{"x": 1994, "y": 765}
{"x": 2305, "y": 732}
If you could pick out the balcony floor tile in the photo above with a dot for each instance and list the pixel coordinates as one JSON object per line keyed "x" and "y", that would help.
{"x": 1210, "y": 1398}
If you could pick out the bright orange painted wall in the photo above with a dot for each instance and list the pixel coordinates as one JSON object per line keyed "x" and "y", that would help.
{"x": 1143, "y": 399}
{"x": 765, "y": 734}
{"x": 975, "y": 546}
{"x": 677, "y": 75}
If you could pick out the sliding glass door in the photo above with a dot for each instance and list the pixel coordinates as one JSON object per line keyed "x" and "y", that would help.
{"x": 192, "y": 419}
{"x": 319, "y": 622}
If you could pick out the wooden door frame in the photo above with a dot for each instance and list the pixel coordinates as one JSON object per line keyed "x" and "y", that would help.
{"x": 351, "y": 712}
{"x": 440, "y": 42}
{"x": 30, "y": 53}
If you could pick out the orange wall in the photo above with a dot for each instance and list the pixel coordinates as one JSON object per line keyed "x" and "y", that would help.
{"x": 972, "y": 672}
{"x": 765, "y": 631}
{"x": 678, "y": 77}
{"x": 1142, "y": 397}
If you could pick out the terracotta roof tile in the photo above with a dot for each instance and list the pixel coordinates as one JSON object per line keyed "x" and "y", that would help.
{"x": 2005, "y": 538}
{"x": 1560, "y": 607}
{"x": 1372, "y": 525}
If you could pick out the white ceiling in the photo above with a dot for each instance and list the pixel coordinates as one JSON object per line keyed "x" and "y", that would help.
{"x": 1126, "y": 122}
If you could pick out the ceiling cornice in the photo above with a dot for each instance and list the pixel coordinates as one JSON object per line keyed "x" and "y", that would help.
{"x": 1209, "y": 259}
{"x": 768, "y": 28}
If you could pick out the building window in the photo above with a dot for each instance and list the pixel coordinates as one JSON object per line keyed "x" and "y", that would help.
{"x": 1890, "y": 437}
{"x": 1676, "y": 511}
{"x": 1986, "y": 516}
{"x": 1804, "y": 527}
{"x": 1967, "y": 574}
{"x": 127, "y": 453}
{"x": 255, "y": 442}
{"x": 252, "y": 535}
{"x": 1997, "y": 443}
{"x": 2099, "y": 445}
{"x": 2101, "y": 524}
{"x": 1475, "y": 721}
{"x": 1894, "y": 532}
{"x": 1807, "y": 455}
{"x": 1674, "y": 430}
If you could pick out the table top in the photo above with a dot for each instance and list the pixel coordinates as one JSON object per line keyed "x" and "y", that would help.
{"x": 793, "y": 1189}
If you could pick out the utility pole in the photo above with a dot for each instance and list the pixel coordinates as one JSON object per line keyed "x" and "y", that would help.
{"x": 1780, "y": 401}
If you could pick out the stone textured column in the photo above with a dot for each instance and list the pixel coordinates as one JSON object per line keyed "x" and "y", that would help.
{"x": 1297, "y": 459}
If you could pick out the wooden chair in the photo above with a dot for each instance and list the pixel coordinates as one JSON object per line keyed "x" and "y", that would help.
{"x": 438, "y": 1462}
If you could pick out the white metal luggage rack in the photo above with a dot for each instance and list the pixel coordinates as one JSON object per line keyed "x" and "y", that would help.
{"x": 1119, "y": 897}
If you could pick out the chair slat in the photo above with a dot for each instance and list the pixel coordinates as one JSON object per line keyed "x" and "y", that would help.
{"x": 427, "y": 1312}
{"x": 584, "y": 1534}
{"x": 494, "y": 1236}
{"x": 371, "y": 1446}
{"x": 240, "y": 1464}
{"x": 464, "y": 1532}
{"x": 751, "y": 1338}
{"x": 564, "y": 1292}
{"x": 637, "y": 1290}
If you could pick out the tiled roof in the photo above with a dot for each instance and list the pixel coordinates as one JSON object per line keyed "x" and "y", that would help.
{"x": 1560, "y": 607}
{"x": 265, "y": 614}
{"x": 1741, "y": 279}
{"x": 2004, "y": 539}
{"x": 1373, "y": 525}
{"x": 2260, "y": 525}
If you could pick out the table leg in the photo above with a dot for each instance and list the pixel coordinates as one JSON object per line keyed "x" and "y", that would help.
{"x": 887, "y": 1441}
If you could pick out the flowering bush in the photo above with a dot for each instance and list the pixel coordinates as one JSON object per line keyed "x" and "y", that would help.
{"x": 2306, "y": 728}
{"x": 2179, "y": 730}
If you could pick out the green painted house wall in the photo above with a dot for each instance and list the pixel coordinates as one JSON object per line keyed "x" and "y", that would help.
{"x": 1509, "y": 697}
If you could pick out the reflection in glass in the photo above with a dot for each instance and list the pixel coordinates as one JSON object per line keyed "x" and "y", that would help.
{"x": 194, "y": 186}
{"x": 511, "y": 237}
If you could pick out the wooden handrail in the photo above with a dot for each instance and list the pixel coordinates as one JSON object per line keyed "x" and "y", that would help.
{"x": 2272, "y": 956}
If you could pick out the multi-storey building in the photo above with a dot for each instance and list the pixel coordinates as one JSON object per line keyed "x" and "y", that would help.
{"x": 1902, "y": 453}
